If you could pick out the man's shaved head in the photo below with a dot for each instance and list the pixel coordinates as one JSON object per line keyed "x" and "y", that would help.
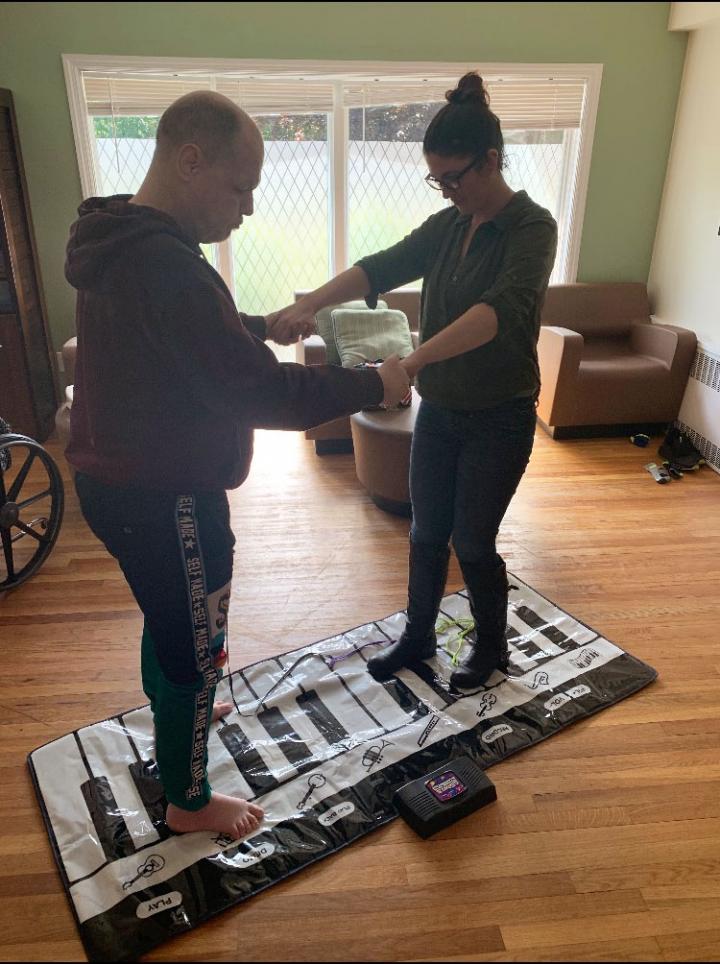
{"x": 209, "y": 120}
{"x": 207, "y": 163}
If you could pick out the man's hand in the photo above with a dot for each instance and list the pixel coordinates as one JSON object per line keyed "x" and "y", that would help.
{"x": 290, "y": 323}
{"x": 395, "y": 381}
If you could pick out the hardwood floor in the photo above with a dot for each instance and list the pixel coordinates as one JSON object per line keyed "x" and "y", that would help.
{"x": 604, "y": 843}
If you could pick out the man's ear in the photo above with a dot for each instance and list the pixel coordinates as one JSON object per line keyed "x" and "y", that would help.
{"x": 190, "y": 160}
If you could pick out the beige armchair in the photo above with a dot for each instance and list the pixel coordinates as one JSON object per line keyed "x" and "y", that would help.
{"x": 604, "y": 363}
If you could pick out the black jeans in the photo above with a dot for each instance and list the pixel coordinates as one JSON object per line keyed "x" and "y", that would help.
{"x": 464, "y": 470}
{"x": 143, "y": 530}
{"x": 176, "y": 553}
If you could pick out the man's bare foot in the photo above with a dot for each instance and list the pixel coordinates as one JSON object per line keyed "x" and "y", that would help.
{"x": 221, "y": 709}
{"x": 229, "y": 815}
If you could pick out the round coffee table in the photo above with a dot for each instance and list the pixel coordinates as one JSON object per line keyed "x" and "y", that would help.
{"x": 381, "y": 441}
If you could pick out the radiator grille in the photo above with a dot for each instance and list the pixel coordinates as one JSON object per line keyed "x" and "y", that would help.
{"x": 709, "y": 450}
{"x": 699, "y": 417}
{"x": 706, "y": 369}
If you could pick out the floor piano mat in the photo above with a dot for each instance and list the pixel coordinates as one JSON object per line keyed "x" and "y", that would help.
{"x": 320, "y": 745}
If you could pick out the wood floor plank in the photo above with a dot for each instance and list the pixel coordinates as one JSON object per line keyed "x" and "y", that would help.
{"x": 636, "y": 949}
{"x": 648, "y": 876}
{"x": 604, "y": 843}
{"x": 700, "y": 946}
{"x": 582, "y": 930}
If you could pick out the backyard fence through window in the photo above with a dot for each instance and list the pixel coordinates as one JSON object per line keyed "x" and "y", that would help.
{"x": 344, "y": 169}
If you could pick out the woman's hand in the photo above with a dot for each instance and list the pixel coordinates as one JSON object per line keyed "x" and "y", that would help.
{"x": 289, "y": 324}
{"x": 476, "y": 327}
{"x": 412, "y": 363}
{"x": 298, "y": 320}
{"x": 395, "y": 381}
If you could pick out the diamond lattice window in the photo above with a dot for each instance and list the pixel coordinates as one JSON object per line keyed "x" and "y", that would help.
{"x": 284, "y": 246}
{"x": 387, "y": 194}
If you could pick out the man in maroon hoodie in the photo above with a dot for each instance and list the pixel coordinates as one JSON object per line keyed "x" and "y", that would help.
{"x": 170, "y": 382}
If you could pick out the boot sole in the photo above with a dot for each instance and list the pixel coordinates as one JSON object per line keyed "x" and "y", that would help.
{"x": 477, "y": 679}
{"x": 382, "y": 674}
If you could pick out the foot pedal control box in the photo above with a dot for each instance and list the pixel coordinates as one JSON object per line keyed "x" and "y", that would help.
{"x": 438, "y": 799}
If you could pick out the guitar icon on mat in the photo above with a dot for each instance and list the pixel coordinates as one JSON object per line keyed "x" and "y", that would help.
{"x": 151, "y": 866}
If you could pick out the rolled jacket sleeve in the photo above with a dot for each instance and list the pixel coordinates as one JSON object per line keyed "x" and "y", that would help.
{"x": 526, "y": 266}
{"x": 405, "y": 261}
{"x": 255, "y": 324}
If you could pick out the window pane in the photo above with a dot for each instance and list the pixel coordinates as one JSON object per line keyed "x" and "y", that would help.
{"x": 125, "y": 147}
{"x": 284, "y": 246}
{"x": 387, "y": 194}
{"x": 535, "y": 162}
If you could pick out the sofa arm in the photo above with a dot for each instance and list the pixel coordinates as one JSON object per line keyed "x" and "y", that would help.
{"x": 559, "y": 354}
{"x": 672, "y": 345}
{"x": 311, "y": 351}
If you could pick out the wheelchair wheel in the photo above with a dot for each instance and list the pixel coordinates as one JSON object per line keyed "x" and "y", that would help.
{"x": 31, "y": 508}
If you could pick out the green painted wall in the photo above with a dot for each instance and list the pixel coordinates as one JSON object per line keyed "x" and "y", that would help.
{"x": 641, "y": 79}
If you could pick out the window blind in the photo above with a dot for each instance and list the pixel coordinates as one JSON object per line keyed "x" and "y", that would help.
{"x": 522, "y": 104}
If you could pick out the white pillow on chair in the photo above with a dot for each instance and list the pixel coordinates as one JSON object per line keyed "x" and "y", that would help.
{"x": 363, "y": 336}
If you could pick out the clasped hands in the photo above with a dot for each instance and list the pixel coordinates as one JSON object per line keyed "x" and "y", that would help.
{"x": 291, "y": 323}
{"x": 298, "y": 321}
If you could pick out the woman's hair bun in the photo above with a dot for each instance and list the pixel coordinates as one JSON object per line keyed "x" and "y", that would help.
{"x": 470, "y": 89}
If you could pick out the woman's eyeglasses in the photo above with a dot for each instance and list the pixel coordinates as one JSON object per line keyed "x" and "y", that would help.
{"x": 451, "y": 182}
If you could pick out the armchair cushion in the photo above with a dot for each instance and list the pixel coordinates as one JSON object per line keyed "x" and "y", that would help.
{"x": 368, "y": 335}
{"x": 323, "y": 320}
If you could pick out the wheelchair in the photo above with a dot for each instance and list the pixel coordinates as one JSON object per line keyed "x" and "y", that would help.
{"x": 32, "y": 499}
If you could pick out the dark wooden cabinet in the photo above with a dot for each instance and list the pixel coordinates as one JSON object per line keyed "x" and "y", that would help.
{"x": 28, "y": 396}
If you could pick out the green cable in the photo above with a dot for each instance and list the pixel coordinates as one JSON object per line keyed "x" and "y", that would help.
{"x": 467, "y": 625}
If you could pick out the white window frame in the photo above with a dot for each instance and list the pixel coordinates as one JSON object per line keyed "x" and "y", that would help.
{"x": 573, "y": 195}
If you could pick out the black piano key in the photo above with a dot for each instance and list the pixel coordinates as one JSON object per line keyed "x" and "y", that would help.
{"x": 549, "y": 632}
{"x": 436, "y": 683}
{"x": 287, "y": 740}
{"x": 111, "y": 829}
{"x": 322, "y": 718}
{"x": 247, "y": 759}
{"x": 146, "y": 777}
{"x": 406, "y": 699}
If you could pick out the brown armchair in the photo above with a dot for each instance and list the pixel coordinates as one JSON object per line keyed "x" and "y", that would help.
{"x": 336, "y": 436}
{"x": 604, "y": 363}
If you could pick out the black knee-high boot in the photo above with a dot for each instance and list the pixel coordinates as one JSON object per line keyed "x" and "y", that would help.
{"x": 426, "y": 584}
{"x": 487, "y": 588}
